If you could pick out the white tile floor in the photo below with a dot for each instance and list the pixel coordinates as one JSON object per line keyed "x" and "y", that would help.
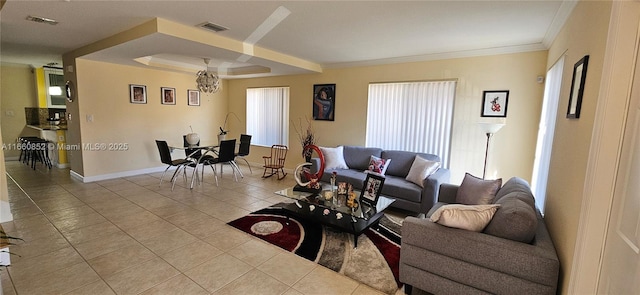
{"x": 130, "y": 236}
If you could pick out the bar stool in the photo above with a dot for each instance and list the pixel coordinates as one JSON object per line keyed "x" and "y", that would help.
{"x": 35, "y": 149}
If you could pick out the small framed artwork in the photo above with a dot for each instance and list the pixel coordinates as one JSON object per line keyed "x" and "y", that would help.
{"x": 324, "y": 102}
{"x": 137, "y": 93}
{"x": 577, "y": 88}
{"x": 168, "y": 95}
{"x": 371, "y": 189}
{"x": 494, "y": 103}
{"x": 193, "y": 97}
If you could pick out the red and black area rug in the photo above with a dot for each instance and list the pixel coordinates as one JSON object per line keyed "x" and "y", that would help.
{"x": 374, "y": 262}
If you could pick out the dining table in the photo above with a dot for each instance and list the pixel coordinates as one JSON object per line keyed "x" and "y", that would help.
{"x": 203, "y": 148}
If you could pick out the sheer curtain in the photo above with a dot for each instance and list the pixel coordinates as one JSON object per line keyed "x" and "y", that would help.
{"x": 546, "y": 130}
{"x": 412, "y": 116}
{"x": 268, "y": 115}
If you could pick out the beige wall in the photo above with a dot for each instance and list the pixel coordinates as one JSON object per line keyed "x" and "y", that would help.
{"x": 513, "y": 147}
{"x": 103, "y": 92}
{"x": 17, "y": 92}
{"x": 584, "y": 33}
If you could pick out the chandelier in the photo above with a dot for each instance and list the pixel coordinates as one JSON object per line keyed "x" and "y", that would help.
{"x": 207, "y": 81}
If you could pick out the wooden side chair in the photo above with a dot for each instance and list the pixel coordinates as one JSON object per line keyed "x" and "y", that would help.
{"x": 274, "y": 164}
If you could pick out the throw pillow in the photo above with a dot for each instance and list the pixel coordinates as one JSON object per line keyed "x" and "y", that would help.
{"x": 470, "y": 217}
{"x": 421, "y": 169}
{"x": 477, "y": 191}
{"x": 378, "y": 165}
{"x": 333, "y": 158}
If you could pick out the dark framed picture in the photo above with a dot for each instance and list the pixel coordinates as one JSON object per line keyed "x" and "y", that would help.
{"x": 193, "y": 97}
{"x": 168, "y": 95}
{"x": 324, "y": 102}
{"x": 371, "y": 189}
{"x": 577, "y": 88}
{"x": 494, "y": 103}
{"x": 137, "y": 93}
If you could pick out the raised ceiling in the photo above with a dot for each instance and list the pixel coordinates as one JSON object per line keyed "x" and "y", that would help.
{"x": 276, "y": 37}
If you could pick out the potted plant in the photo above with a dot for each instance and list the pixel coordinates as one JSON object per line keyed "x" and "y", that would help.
{"x": 306, "y": 136}
{"x": 5, "y": 242}
{"x": 223, "y": 129}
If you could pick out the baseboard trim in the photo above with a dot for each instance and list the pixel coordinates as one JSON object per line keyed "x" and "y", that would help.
{"x": 87, "y": 179}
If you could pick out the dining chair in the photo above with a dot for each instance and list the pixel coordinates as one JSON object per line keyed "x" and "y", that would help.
{"x": 226, "y": 155}
{"x": 243, "y": 149}
{"x": 165, "y": 157}
{"x": 194, "y": 153}
{"x": 275, "y": 162}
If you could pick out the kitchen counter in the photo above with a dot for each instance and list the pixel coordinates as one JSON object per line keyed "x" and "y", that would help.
{"x": 42, "y": 127}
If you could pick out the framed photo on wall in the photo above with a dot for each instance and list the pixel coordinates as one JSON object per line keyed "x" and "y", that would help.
{"x": 168, "y": 95}
{"x": 371, "y": 189}
{"x": 137, "y": 93}
{"x": 324, "y": 102}
{"x": 193, "y": 97}
{"x": 577, "y": 88}
{"x": 494, "y": 103}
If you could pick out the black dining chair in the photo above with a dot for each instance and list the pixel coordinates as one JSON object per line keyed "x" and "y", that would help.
{"x": 226, "y": 155}
{"x": 243, "y": 149}
{"x": 194, "y": 153}
{"x": 165, "y": 157}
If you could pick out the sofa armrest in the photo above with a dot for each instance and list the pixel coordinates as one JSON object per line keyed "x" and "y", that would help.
{"x": 431, "y": 188}
{"x": 448, "y": 193}
{"x": 537, "y": 262}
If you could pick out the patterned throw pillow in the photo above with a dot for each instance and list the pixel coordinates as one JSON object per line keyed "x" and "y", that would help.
{"x": 378, "y": 165}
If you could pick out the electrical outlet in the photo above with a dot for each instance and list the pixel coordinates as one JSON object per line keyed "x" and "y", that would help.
{"x": 89, "y": 118}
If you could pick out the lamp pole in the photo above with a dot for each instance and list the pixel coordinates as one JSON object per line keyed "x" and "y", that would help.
{"x": 486, "y": 155}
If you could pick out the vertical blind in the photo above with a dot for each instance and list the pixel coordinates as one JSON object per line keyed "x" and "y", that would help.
{"x": 412, "y": 116}
{"x": 268, "y": 115}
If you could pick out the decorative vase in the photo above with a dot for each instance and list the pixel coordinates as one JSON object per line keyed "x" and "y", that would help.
{"x": 193, "y": 138}
{"x": 221, "y": 137}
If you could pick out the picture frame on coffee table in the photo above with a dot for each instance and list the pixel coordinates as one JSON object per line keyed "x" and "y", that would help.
{"x": 371, "y": 189}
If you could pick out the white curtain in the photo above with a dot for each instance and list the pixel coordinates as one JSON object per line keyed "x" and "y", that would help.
{"x": 268, "y": 115}
{"x": 412, "y": 116}
{"x": 545, "y": 133}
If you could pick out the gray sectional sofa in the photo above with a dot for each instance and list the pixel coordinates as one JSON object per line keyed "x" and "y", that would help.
{"x": 408, "y": 195}
{"x": 514, "y": 253}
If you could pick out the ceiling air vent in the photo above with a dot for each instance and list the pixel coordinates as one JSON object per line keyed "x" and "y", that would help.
{"x": 212, "y": 27}
{"x": 42, "y": 20}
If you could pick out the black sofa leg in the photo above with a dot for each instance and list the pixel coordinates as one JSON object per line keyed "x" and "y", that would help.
{"x": 407, "y": 289}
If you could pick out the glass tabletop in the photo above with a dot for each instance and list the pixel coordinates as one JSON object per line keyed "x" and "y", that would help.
{"x": 325, "y": 199}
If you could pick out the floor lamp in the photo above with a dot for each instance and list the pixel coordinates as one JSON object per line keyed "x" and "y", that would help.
{"x": 489, "y": 129}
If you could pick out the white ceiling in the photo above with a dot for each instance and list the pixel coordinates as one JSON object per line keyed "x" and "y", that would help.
{"x": 328, "y": 33}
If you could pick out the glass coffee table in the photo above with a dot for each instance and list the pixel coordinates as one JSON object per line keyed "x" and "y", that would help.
{"x": 317, "y": 208}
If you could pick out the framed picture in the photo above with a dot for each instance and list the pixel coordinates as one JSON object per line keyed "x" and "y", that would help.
{"x": 137, "y": 93}
{"x": 577, "y": 88}
{"x": 324, "y": 102}
{"x": 371, "y": 189}
{"x": 168, "y": 95}
{"x": 494, "y": 103}
{"x": 193, "y": 97}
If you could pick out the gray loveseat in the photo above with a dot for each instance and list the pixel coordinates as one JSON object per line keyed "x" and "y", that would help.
{"x": 408, "y": 195}
{"x": 445, "y": 260}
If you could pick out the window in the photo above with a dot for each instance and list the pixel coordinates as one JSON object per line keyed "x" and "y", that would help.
{"x": 268, "y": 115}
{"x": 412, "y": 116}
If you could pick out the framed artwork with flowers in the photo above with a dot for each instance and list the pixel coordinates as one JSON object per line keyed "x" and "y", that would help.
{"x": 494, "y": 103}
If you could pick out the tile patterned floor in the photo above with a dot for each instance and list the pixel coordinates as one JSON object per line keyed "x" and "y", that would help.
{"x": 131, "y": 236}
